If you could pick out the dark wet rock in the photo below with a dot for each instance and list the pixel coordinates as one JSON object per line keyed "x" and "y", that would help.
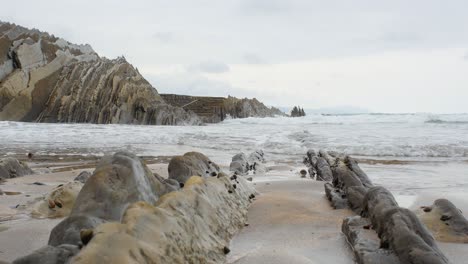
{"x": 50, "y": 255}
{"x": 354, "y": 167}
{"x": 445, "y": 221}
{"x": 335, "y": 197}
{"x": 12, "y": 168}
{"x": 355, "y": 195}
{"x": 181, "y": 168}
{"x": 38, "y": 183}
{"x": 366, "y": 248}
{"x": 83, "y": 176}
{"x": 324, "y": 172}
{"x": 344, "y": 177}
{"x": 303, "y": 173}
{"x": 1, "y": 192}
{"x": 376, "y": 202}
{"x": 408, "y": 237}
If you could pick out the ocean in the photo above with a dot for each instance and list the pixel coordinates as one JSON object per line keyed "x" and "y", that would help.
{"x": 411, "y": 154}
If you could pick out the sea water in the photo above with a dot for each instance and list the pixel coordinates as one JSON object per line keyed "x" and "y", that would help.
{"x": 411, "y": 154}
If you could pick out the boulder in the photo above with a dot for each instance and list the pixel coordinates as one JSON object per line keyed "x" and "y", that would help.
{"x": 83, "y": 176}
{"x": 445, "y": 221}
{"x": 181, "y": 168}
{"x": 119, "y": 180}
{"x": 12, "y": 168}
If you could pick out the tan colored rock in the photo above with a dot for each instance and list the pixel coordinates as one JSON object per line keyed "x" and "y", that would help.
{"x": 45, "y": 79}
{"x": 59, "y": 202}
{"x": 193, "y": 225}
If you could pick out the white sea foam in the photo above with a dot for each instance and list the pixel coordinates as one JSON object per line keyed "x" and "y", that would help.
{"x": 427, "y": 138}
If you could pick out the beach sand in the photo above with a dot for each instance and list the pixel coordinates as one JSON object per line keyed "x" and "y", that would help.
{"x": 290, "y": 220}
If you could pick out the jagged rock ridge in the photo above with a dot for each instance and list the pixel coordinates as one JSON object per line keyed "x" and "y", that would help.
{"x": 47, "y": 79}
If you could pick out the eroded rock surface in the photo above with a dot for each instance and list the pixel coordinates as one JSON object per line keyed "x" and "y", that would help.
{"x": 242, "y": 164}
{"x": 12, "y": 168}
{"x": 47, "y": 79}
{"x": 181, "y": 168}
{"x": 59, "y": 202}
{"x": 400, "y": 237}
{"x": 83, "y": 176}
{"x": 445, "y": 221}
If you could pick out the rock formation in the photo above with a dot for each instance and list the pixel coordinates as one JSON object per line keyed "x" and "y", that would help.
{"x": 47, "y": 79}
{"x": 216, "y": 109}
{"x": 242, "y": 108}
{"x": 445, "y": 221}
{"x": 125, "y": 214}
{"x": 242, "y": 165}
{"x": 181, "y": 168}
{"x": 12, "y": 168}
{"x": 403, "y": 238}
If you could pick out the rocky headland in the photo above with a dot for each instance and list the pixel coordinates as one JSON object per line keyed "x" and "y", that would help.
{"x": 44, "y": 78}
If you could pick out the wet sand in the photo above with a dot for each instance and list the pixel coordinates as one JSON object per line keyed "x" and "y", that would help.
{"x": 291, "y": 222}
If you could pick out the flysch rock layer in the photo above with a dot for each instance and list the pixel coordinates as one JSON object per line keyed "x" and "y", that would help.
{"x": 149, "y": 220}
{"x": 193, "y": 225}
{"x": 399, "y": 237}
{"x": 47, "y": 79}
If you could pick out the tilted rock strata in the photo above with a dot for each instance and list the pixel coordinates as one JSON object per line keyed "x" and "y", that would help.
{"x": 125, "y": 214}
{"x": 401, "y": 233}
{"x": 242, "y": 108}
{"x": 193, "y": 225}
{"x": 46, "y": 79}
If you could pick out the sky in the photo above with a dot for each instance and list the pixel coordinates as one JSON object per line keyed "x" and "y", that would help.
{"x": 385, "y": 56}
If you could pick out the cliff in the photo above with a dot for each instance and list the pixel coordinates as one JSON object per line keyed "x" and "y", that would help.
{"x": 216, "y": 109}
{"x": 47, "y": 79}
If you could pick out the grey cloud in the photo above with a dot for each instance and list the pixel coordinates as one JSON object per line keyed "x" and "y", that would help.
{"x": 208, "y": 67}
{"x": 252, "y": 58}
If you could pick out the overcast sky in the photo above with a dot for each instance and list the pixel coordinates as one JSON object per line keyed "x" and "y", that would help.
{"x": 385, "y": 56}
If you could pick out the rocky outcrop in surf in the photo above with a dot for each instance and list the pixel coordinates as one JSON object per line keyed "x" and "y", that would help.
{"x": 12, "y": 168}
{"x": 47, "y": 79}
{"x": 125, "y": 214}
{"x": 402, "y": 237}
{"x": 242, "y": 108}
